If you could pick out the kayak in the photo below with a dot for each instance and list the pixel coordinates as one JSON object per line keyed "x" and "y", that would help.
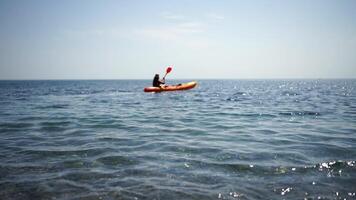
{"x": 183, "y": 86}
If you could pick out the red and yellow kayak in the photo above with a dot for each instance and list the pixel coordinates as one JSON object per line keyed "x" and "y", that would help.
{"x": 183, "y": 86}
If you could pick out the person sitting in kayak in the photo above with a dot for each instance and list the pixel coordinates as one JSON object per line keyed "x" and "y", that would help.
{"x": 156, "y": 82}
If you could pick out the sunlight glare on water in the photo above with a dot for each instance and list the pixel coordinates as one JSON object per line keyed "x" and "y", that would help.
{"x": 225, "y": 139}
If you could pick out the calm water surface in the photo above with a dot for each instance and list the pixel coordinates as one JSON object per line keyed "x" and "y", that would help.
{"x": 225, "y": 139}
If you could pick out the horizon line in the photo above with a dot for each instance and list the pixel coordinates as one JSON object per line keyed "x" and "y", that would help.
{"x": 109, "y": 79}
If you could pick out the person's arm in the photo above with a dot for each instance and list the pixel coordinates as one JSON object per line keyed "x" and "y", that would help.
{"x": 163, "y": 81}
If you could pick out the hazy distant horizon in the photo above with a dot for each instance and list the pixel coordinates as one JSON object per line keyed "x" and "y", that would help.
{"x": 46, "y": 40}
{"x": 178, "y": 79}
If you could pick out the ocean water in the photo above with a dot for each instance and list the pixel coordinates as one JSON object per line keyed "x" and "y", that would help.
{"x": 225, "y": 139}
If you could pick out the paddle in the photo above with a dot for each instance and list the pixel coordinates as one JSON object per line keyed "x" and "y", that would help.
{"x": 168, "y": 70}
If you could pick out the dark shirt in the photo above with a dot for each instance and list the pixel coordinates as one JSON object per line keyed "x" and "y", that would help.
{"x": 156, "y": 82}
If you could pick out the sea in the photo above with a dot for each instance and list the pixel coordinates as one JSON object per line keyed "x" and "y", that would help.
{"x": 224, "y": 139}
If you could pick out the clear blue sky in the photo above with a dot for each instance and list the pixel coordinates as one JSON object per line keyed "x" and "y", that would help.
{"x": 129, "y": 39}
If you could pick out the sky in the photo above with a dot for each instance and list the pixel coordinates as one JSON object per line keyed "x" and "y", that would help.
{"x": 202, "y": 39}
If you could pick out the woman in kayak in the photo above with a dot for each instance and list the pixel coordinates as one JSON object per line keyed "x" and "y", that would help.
{"x": 156, "y": 82}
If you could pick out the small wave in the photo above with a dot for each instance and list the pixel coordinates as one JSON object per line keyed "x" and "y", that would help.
{"x": 73, "y": 151}
{"x": 73, "y": 164}
{"x": 300, "y": 113}
{"x": 57, "y": 123}
{"x": 31, "y": 118}
{"x": 85, "y": 176}
{"x": 238, "y": 96}
{"x": 234, "y": 99}
{"x": 54, "y": 126}
{"x": 130, "y": 103}
{"x": 21, "y": 98}
{"x": 9, "y": 170}
{"x": 113, "y": 125}
{"x": 140, "y": 173}
{"x": 16, "y": 125}
{"x": 189, "y": 149}
{"x": 54, "y": 106}
{"x": 334, "y": 166}
{"x": 249, "y": 115}
{"x": 289, "y": 93}
{"x": 267, "y": 131}
{"x": 351, "y": 112}
{"x": 116, "y": 160}
{"x": 331, "y": 168}
{"x": 120, "y": 91}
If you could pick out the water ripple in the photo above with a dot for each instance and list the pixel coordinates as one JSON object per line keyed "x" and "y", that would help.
{"x": 225, "y": 139}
